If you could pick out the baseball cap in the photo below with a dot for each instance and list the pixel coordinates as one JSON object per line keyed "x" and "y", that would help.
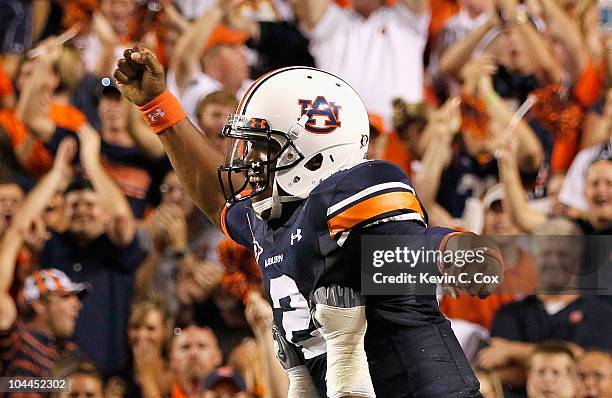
{"x": 106, "y": 88}
{"x": 222, "y": 35}
{"x": 224, "y": 374}
{"x": 377, "y": 124}
{"x": 50, "y": 281}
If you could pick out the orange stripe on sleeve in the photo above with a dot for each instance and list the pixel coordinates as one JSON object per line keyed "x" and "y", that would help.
{"x": 223, "y": 224}
{"x": 373, "y": 207}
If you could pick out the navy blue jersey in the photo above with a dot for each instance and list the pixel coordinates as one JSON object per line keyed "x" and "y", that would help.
{"x": 314, "y": 247}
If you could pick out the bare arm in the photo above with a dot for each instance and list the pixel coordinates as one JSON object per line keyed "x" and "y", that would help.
{"x": 109, "y": 41}
{"x": 540, "y": 52}
{"x": 40, "y": 13}
{"x": 190, "y": 45}
{"x": 537, "y": 49}
{"x": 9, "y": 247}
{"x": 36, "y": 201}
{"x": 33, "y": 104}
{"x": 525, "y": 217}
{"x": 32, "y": 207}
{"x": 443, "y": 126}
{"x": 453, "y": 59}
{"x": 122, "y": 228}
{"x": 186, "y": 146}
{"x": 142, "y": 135}
{"x": 530, "y": 152}
{"x": 568, "y": 33}
{"x": 183, "y": 143}
{"x": 259, "y": 315}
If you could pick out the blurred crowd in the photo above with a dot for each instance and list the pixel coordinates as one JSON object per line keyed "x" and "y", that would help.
{"x": 500, "y": 111}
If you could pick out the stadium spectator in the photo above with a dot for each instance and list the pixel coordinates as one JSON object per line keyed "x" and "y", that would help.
{"x": 520, "y": 277}
{"x": 372, "y": 35}
{"x": 595, "y": 375}
{"x": 572, "y": 191}
{"x": 109, "y": 35}
{"x": 225, "y": 382}
{"x": 278, "y": 43}
{"x": 208, "y": 57}
{"x": 129, "y": 149}
{"x": 557, "y": 311}
{"x": 81, "y": 376}
{"x": 473, "y": 14}
{"x": 596, "y": 182}
{"x": 33, "y": 341}
{"x": 212, "y": 113}
{"x": 194, "y": 354}
{"x": 100, "y": 247}
{"x": 551, "y": 371}
{"x": 264, "y": 375}
{"x": 495, "y": 54}
{"x": 378, "y": 138}
{"x": 148, "y": 334}
{"x": 598, "y": 192}
{"x": 490, "y": 386}
{"x": 182, "y": 248}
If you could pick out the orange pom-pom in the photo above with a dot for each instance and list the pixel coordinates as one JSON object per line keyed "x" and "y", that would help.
{"x": 560, "y": 116}
{"x": 474, "y": 117}
{"x": 241, "y": 270}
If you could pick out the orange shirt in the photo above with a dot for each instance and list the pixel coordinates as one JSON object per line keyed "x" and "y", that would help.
{"x": 67, "y": 116}
{"x": 37, "y": 159}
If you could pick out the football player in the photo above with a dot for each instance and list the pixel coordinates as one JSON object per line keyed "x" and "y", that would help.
{"x": 297, "y": 190}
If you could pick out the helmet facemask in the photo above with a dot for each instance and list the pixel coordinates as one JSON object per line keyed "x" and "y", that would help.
{"x": 251, "y": 163}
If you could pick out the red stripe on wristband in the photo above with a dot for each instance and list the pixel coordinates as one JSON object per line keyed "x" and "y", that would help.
{"x": 163, "y": 112}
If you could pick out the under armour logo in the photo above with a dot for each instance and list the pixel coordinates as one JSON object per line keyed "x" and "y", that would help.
{"x": 257, "y": 250}
{"x": 158, "y": 113}
{"x": 297, "y": 235}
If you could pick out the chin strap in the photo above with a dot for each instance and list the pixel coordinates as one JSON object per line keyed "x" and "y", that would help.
{"x": 273, "y": 203}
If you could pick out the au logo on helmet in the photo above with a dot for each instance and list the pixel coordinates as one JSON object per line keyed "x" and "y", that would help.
{"x": 324, "y": 116}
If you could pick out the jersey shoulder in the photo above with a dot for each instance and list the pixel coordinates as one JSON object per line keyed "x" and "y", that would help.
{"x": 369, "y": 192}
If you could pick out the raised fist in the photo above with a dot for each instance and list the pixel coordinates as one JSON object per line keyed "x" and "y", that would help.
{"x": 478, "y": 267}
{"x": 139, "y": 75}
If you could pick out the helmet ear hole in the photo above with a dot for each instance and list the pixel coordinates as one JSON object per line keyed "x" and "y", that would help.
{"x": 315, "y": 162}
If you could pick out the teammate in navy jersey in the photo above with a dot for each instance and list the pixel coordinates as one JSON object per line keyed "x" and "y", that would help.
{"x": 298, "y": 192}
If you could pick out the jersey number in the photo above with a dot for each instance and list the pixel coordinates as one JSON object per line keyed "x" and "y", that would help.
{"x": 295, "y": 314}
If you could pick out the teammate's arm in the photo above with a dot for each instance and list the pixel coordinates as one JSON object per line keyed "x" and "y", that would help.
{"x": 193, "y": 156}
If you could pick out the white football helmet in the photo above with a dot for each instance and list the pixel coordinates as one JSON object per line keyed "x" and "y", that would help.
{"x": 293, "y": 128}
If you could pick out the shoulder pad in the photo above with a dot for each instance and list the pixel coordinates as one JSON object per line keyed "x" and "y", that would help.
{"x": 367, "y": 193}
